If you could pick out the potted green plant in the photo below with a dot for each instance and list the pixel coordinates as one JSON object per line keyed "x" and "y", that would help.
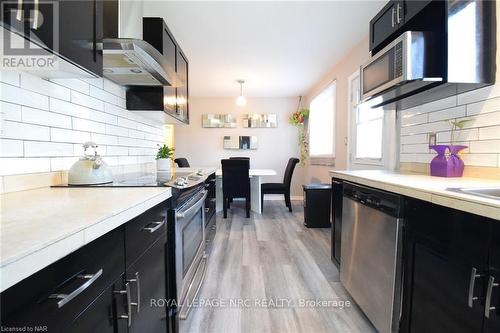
{"x": 299, "y": 118}
{"x": 164, "y": 158}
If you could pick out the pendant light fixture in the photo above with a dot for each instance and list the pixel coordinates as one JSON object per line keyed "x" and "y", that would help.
{"x": 241, "y": 100}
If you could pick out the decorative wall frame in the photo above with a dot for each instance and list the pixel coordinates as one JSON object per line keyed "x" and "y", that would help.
{"x": 235, "y": 142}
{"x": 211, "y": 120}
{"x": 260, "y": 120}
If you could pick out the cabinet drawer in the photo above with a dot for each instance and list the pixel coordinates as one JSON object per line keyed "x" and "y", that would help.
{"x": 54, "y": 296}
{"x": 144, "y": 230}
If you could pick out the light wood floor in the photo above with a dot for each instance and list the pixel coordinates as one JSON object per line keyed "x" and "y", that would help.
{"x": 271, "y": 257}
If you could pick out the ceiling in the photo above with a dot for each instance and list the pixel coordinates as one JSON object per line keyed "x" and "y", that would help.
{"x": 279, "y": 48}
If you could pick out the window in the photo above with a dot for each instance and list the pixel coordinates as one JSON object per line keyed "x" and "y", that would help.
{"x": 369, "y": 130}
{"x": 322, "y": 124}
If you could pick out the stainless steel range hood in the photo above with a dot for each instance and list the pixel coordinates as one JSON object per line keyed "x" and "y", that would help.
{"x": 127, "y": 59}
{"x": 130, "y": 61}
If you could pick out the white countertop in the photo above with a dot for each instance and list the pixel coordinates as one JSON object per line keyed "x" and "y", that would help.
{"x": 38, "y": 227}
{"x": 428, "y": 188}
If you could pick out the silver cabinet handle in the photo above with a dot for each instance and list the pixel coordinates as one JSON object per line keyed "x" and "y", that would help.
{"x": 126, "y": 292}
{"x": 35, "y": 14}
{"x": 472, "y": 282}
{"x": 65, "y": 298}
{"x": 489, "y": 291}
{"x": 137, "y": 281}
{"x": 398, "y": 15}
{"x": 157, "y": 226}
{"x": 19, "y": 13}
{"x": 392, "y": 16}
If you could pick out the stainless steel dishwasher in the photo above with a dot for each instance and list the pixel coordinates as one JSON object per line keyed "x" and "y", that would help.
{"x": 370, "y": 266}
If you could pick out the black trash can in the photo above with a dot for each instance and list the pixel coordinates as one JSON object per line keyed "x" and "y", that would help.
{"x": 317, "y": 201}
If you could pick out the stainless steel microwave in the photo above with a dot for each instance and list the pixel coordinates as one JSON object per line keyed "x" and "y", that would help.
{"x": 400, "y": 68}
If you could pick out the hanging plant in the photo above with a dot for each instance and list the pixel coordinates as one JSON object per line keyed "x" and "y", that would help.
{"x": 299, "y": 119}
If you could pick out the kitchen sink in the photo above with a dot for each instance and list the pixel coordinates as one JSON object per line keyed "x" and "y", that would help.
{"x": 487, "y": 192}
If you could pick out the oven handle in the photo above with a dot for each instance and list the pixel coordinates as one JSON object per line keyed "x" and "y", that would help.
{"x": 192, "y": 208}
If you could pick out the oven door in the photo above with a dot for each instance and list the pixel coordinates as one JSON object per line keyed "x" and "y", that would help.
{"x": 190, "y": 258}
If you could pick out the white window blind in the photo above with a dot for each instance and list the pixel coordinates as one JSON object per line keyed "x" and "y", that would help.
{"x": 322, "y": 126}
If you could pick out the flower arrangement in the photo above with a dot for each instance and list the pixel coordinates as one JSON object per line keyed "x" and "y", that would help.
{"x": 299, "y": 118}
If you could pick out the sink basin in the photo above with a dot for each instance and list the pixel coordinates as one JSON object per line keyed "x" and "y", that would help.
{"x": 487, "y": 192}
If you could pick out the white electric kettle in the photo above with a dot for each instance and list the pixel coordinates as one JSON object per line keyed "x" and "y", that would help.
{"x": 90, "y": 169}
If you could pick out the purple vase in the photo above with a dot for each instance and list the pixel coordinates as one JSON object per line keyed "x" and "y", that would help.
{"x": 447, "y": 163}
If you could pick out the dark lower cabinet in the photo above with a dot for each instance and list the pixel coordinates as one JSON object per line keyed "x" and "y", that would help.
{"x": 109, "y": 285}
{"x": 450, "y": 256}
{"x": 100, "y": 316}
{"x": 492, "y": 322}
{"x": 337, "y": 195}
{"x": 147, "y": 288}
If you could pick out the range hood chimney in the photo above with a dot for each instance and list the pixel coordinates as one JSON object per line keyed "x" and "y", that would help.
{"x": 127, "y": 59}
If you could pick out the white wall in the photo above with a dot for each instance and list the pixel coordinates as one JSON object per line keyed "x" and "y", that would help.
{"x": 44, "y": 123}
{"x": 203, "y": 146}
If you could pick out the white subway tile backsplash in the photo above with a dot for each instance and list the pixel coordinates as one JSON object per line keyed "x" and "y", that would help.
{"x": 417, "y": 138}
{"x": 487, "y": 160}
{"x": 10, "y": 77}
{"x": 489, "y": 133}
{"x": 486, "y": 146}
{"x": 9, "y": 111}
{"x": 116, "y": 130}
{"x": 460, "y": 135}
{"x": 98, "y": 82}
{"x": 116, "y": 151}
{"x": 414, "y": 119}
{"x": 44, "y": 87}
{"x": 114, "y": 89}
{"x": 15, "y": 130}
{"x": 481, "y": 134}
{"x": 47, "y": 149}
{"x": 14, "y": 166}
{"x": 85, "y": 100}
{"x": 451, "y": 113}
{"x": 103, "y": 139}
{"x": 88, "y": 125}
{"x": 56, "y": 105}
{"x": 21, "y": 96}
{"x": 62, "y": 163}
{"x": 39, "y": 117}
{"x": 78, "y": 149}
{"x": 489, "y": 105}
{"x": 479, "y": 94}
{"x": 73, "y": 84}
{"x": 69, "y": 136}
{"x": 11, "y": 148}
{"x": 415, "y": 148}
{"x": 45, "y": 123}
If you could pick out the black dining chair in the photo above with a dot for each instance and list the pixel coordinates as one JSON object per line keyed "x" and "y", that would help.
{"x": 182, "y": 162}
{"x": 280, "y": 188}
{"x": 235, "y": 182}
{"x": 239, "y": 158}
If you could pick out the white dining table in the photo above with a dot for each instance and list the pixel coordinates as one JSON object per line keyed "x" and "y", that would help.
{"x": 255, "y": 182}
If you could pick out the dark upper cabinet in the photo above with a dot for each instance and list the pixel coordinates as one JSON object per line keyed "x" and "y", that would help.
{"x": 448, "y": 264}
{"x": 70, "y": 29}
{"x": 395, "y": 18}
{"x": 173, "y": 100}
{"x": 182, "y": 105}
{"x": 386, "y": 22}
